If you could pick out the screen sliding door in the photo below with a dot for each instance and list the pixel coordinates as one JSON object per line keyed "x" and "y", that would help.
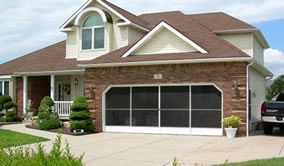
{"x": 164, "y": 109}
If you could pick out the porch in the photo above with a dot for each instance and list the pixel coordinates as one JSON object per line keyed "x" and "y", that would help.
{"x": 62, "y": 88}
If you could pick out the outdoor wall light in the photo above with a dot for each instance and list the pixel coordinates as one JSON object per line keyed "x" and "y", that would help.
{"x": 254, "y": 94}
{"x": 76, "y": 82}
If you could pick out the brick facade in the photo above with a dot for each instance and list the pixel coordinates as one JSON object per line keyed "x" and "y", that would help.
{"x": 38, "y": 87}
{"x": 224, "y": 75}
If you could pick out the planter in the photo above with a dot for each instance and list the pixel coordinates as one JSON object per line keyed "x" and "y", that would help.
{"x": 231, "y": 132}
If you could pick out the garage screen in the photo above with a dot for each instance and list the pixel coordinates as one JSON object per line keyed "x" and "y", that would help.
{"x": 164, "y": 106}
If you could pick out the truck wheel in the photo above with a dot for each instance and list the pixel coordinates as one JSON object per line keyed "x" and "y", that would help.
{"x": 268, "y": 128}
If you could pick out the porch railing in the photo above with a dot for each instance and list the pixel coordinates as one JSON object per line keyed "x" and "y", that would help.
{"x": 63, "y": 108}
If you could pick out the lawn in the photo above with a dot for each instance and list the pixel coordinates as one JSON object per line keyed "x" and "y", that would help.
{"x": 266, "y": 162}
{"x": 10, "y": 138}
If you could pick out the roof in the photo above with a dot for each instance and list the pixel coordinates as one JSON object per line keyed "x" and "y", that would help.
{"x": 214, "y": 45}
{"x": 51, "y": 58}
{"x": 198, "y": 27}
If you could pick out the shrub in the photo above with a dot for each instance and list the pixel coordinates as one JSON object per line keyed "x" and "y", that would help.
{"x": 50, "y": 124}
{"x": 4, "y": 99}
{"x": 85, "y": 114}
{"x": 11, "y": 114}
{"x": 86, "y": 124}
{"x": 29, "y": 157}
{"x": 79, "y": 104}
{"x": 46, "y": 105}
{"x": 232, "y": 121}
{"x": 8, "y": 105}
{"x": 80, "y": 115}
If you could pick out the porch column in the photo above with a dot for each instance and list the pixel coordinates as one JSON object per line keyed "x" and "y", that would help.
{"x": 25, "y": 93}
{"x": 52, "y": 85}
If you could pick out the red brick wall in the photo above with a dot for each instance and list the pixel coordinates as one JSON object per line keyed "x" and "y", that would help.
{"x": 221, "y": 74}
{"x": 19, "y": 95}
{"x": 38, "y": 87}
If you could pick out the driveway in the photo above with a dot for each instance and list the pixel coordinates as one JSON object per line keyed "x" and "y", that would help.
{"x": 109, "y": 149}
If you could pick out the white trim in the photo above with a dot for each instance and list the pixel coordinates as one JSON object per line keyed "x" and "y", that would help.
{"x": 58, "y": 72}
{"x": 133, "y": 25}
{"x": 6, "y": 77}
{"x": 126, "y": 21}
{"x": 90, "y": 9}
{"x": 25, "y": 93}
{"x": 159, "y": 27}
{"x": 162, "y": 130}
{"x": 247, "y": 97}
{"x": 52, "y": 86}
{"x": 182, "y": 61}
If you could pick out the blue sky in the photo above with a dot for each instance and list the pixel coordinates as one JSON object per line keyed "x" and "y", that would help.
{"x": 28, "y": 25}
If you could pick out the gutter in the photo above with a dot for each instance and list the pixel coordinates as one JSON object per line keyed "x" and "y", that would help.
{"x": 50, "y": 72}
{"x": 182, "y": 61}
{"x": 247, "y": 98}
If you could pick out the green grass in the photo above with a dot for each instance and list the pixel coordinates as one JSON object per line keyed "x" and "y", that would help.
{"x": 10, "y": 138}
{"x": 266, "y": 162}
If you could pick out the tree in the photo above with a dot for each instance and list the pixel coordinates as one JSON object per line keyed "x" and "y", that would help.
{"x": 276, "y": 87}
{"x": 80, "y": 115}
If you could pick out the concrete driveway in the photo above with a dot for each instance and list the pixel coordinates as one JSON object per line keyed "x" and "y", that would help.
{"x": 109, "y": 149}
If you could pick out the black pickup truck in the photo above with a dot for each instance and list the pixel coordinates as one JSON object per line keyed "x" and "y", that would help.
{"x": 272, "y": 114}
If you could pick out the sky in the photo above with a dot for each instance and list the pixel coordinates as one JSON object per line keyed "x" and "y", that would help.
{"x": 28, "y": 25}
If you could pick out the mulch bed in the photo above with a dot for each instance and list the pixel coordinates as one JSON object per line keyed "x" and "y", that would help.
{"x": 9, "y": 123}
{"x": 62, "y": 130}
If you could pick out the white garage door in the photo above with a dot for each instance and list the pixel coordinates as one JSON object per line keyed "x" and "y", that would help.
{"x": 163, "y": 109}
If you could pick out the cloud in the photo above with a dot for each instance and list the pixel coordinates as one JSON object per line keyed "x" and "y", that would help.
{"x": 274, "y": 60}
{"x": 28, "y": 25}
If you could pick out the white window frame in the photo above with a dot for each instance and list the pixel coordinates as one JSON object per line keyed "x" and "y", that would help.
{"x": 163, "y": 130}
{"x": 93, "y": 35}
{"x": 3, "y": 86}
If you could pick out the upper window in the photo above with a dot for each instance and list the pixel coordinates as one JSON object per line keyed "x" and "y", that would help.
{"x": 93, "y": 36}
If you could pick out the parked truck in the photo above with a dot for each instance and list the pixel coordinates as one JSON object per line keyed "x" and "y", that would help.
{"x": 272, "y": 114}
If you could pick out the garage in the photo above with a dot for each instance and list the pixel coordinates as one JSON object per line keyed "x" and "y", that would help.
{"x": 163, "y": 109}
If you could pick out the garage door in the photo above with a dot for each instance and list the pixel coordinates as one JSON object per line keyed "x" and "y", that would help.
{"x": 163, "y": 109}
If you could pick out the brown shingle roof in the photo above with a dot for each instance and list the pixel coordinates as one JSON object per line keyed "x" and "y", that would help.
{"x": 131, "y": 17}
{"x": 214, "y": 45}
{"x": 51, "y": 58}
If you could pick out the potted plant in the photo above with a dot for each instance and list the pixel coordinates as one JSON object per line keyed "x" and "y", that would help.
{"x": 30, "y": 110}
{"x": 231, "y": 124}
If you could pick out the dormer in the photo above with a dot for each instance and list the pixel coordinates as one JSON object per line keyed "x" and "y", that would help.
{"x": 97, "y": 29}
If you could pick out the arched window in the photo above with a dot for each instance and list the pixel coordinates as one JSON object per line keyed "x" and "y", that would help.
{"x": 93, "y": 33}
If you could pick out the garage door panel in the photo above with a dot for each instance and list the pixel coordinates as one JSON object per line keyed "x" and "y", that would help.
{"x": 117, "y": 117}
{"x": 118, "y": 98}
{"x": 174, "y": 118}
{"x": 145, "y": 97}
{"x": 145, "y": 117}
{"x": 206, "y": 118}
{"x": 205, "y": 97}
{"x": 175, "y": 97}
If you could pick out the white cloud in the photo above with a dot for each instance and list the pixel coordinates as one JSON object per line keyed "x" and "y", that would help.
{"x": 27, "y": 25}
{"x": 273, "y": 56}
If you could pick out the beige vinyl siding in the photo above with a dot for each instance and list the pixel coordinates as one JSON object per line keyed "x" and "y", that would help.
{"x": 72, "y": 44}
{"x": 77, "y": 90}
{"x": 134, "y": 35}
{"x": 242, "y": 41}
{"x": 164, "y": 42}
{"x": 258, "y": 51}
{"x": 257, "y": 87}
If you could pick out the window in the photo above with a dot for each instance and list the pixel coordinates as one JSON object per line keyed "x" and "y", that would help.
{"x": 4, "y": 87}
{"x": 93, "y": 33}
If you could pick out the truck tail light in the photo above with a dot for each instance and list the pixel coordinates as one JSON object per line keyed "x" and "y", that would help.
{"x": 263, "y": 108}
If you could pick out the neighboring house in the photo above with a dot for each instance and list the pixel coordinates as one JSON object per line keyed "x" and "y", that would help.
{"x": 165, "y": 72}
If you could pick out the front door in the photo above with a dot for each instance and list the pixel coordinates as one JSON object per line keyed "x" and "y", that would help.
{"x": 63, "y": 91}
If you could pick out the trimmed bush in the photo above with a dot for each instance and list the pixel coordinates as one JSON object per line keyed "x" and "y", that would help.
{"x": 87, "y": 124}
{"x": 50, "y": 124}
{"x": 4, "y": 99}
{"x": 79, "y": 104}
{"x": 11, "y": 114}
{"x": 80, "y": 116}
{"x": 9, "y": 105}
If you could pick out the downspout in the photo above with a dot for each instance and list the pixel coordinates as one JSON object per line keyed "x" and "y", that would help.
{"x": 247, "y": 98}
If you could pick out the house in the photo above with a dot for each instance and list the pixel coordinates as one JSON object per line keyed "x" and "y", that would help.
{"x": 165, "y": 72}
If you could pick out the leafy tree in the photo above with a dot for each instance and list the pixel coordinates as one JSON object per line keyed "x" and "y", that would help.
{"x": 276, "y": 87}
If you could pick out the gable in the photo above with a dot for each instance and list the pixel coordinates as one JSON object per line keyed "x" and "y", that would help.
{"x": 163, "y": 42}
{"x": 167, "y": 40}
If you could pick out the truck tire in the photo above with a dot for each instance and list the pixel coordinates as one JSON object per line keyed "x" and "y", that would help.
{"x": 268, "y": 128}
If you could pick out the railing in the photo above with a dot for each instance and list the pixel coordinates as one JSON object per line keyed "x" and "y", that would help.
{"x": 63, "y": 108}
